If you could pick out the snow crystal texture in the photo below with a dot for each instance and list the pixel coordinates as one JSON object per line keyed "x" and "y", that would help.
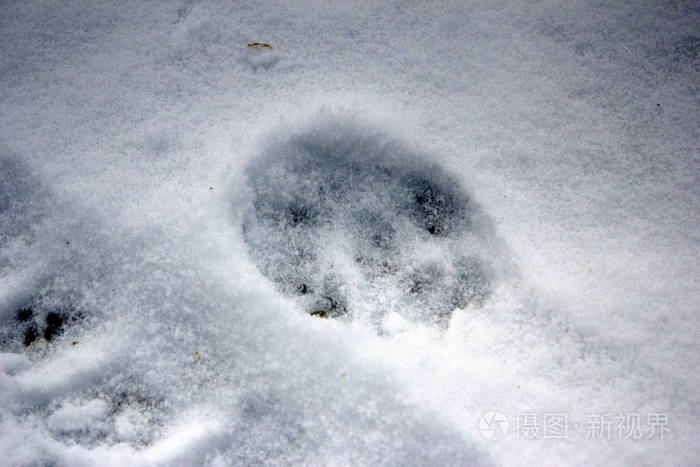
{"x": 333, "y": 233}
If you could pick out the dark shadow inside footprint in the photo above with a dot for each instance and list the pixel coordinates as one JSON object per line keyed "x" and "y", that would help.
{"x": 472, "y": 283}
{"x": 438, "y": 209}
{"x": 337, "y": 192}
{"x": 35, "y": 321}
{"x": 54, "y": 325}
{"x": 328, "y": 307}
{"x": 426, "y": 279}
{"x": 300, "y": 214}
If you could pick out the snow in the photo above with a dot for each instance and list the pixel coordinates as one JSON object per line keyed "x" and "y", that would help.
{"x": 494, "y": 204}
{"x": 77, "y": 417}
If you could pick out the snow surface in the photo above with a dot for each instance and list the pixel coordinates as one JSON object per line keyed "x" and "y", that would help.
{"x": 497, "y": 201}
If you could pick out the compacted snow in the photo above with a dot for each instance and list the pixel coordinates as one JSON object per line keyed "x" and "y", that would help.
{"x": 333, "y": 233}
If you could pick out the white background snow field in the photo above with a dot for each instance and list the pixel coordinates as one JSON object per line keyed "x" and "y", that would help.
{"x": 406, "y": 233}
